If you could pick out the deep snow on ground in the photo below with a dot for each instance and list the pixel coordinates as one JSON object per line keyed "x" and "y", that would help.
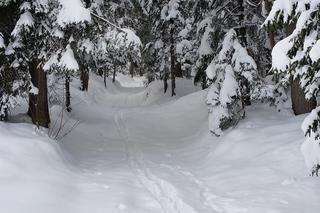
{"x": 136, "y": 150}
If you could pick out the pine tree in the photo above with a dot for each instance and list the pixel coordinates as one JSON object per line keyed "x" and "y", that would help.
{"x": 290, "y": 17}
{"x": 296, "y": 62}
{"x": 29, "y": 42}
{"x": 230, "y": 73}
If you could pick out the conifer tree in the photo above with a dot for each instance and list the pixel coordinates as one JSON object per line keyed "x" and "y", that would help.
{"x": 296, "y": 62}
{"x": 230, "y": 73}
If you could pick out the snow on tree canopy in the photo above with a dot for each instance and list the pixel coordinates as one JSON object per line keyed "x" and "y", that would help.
{"x": 226, "y": 74}
{"x": 25, "y": 22}
{"x": 67, "y": 61}
{"x": 171, "y": 11}
{"x": 281, "y": 11}
{"x": 72, "y": 11}
{"x": 131, "y": 38}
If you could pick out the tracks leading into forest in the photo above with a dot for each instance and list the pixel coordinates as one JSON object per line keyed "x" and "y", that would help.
{"x": 161, "y": 190}
{"x": 164, "y": 192}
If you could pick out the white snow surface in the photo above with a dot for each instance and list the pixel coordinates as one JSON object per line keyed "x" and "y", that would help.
{"x": 136, "y": 150}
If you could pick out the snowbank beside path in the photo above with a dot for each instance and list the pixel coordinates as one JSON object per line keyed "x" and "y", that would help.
{"x": 34, "y": 178}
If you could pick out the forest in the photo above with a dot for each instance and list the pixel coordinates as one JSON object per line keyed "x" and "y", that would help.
{"x": 171, "y": 106}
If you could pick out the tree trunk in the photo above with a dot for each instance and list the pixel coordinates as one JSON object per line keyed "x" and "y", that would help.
{"x": 165, "y": 82}
{"x": 38, "y": 103}
{"x": 68, "y": 95}
{"x": 173, "y": 59}
{"x": 84, "y": 78}
{"x": 268, "y": 6}
{"x": 300, "y": 104}
{"x": 131, "y": 68}
{"x": 114, "y": 74}
{"x": 178, "y": 71}
{"x": 105, "y": 78}
{"x": 242, "y": 35}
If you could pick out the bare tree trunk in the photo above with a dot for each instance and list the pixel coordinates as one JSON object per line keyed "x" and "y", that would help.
{"x": 165, "y": 81}
{"x": 131, "y": 68}
{"x": 38, "y": 103}
{"x": 173, "y": 59}
{"x": 114, "y": 74}
{"x": 84, "y": 78}
{"x": 105, "y": 78}
{"x": 68, "y": 95}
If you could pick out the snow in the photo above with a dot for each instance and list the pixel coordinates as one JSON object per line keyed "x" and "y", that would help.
{"x": 311, "y": 146}
{"x": 2, "y": 44}
{"x": 132, "y": 38}
{"x": 315, "y": 52}
{"x": 229, "y": 87}
{"x": 67, "y": 61}
{"x": 72, "y": 11}
{"x": 33, "y": 90}
{"x": 25, "y": 22}
{"x": 138, "y": 150}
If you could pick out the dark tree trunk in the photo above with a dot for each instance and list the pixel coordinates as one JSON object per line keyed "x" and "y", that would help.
{"x": 300, "y": 104}
{"x": 68, "y": 95}
{"x": 105, "y": 75}
{"x": 84, "y": 78}
{"x": 114, "y": 74}
{"x": 38, "y": 103}
{"x": 272, "y": 41}
{"x": 178, "y": 71}
{"x": 173, "y": 60}
{"x": 131, "y": 68}
{"x": 165, "y": 82}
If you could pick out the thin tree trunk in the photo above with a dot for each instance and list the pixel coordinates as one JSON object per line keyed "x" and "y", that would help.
{"x": 68, "y": 95}
{"x": 165, "y": 82}
{"x": 38, "y": 103}
{"x": 131, "y": 68}
{"x": 105, "y": 78}
{"x": 173, "y": 59}
{"x": 84, "y": 78}
{"x": 114, "y": 74}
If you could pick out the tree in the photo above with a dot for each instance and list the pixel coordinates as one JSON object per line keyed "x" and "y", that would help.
{"x": 229, "y": 74}
{"x": 29, "y": 42}
{"x": 69, "y": 37}
{"x": 294, "y": 69}
{"x": 296, "y": 62}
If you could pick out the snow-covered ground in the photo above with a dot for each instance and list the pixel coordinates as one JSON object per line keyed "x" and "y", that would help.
{"x": 136, "y": 150}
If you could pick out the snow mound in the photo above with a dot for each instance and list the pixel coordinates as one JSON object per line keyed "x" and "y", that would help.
{"x": 33, "y": 175}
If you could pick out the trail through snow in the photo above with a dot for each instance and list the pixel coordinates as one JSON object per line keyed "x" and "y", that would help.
{"x": 136, "y": 150}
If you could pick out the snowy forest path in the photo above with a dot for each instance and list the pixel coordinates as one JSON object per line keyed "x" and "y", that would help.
{"x": 139, "y": 153}
{"x": 161, "y": 189}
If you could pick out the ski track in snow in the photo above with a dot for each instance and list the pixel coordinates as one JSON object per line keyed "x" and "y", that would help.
{"x": 164, "y": 192}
